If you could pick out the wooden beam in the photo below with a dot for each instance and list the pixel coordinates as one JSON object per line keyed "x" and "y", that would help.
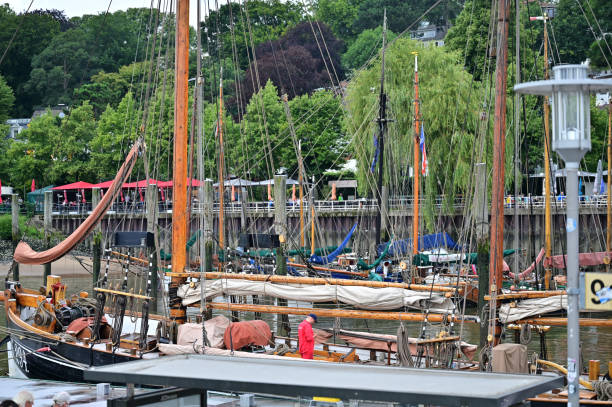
{"x": 316, "y": 281}
{"x": 335, "y": 312}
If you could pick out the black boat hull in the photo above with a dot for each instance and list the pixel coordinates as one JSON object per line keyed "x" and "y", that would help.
{"x": 40, "y": 357}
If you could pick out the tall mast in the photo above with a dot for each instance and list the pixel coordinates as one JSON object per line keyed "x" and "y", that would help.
{"x": 517, "y": 100}
{"x": 499, "y": 147}
{"x": 301, "y": 186}
{"x": 416, "y": 164}
{"x": 179, "y": 173}
{"x": 221, "y": 169}
{"x": 382, "y": 125}
{"x": 301, "y": 171}
{"x": 609, "y": 208}
{"x": 547, "y": 209}
{"x": 547, "y": 181}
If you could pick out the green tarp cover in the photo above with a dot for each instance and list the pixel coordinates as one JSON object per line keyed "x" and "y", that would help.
{"x": 362, "y": 265}
{"x": 472, "y": 258}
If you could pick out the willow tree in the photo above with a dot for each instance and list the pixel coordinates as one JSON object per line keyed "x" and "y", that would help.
{"x": 453, "y": 112}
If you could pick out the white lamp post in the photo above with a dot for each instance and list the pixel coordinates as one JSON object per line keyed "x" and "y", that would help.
{"x": 571, "y": 117}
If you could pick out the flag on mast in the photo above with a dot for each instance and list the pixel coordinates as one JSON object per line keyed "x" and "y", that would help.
{"x": 423, "y": 152}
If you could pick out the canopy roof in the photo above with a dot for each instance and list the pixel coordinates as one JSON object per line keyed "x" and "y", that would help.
{"x": 141, "y": 184}
{"x": 75, "y": 185}
{"x": 290, "y": 181}
{"x": 238, "y": 182}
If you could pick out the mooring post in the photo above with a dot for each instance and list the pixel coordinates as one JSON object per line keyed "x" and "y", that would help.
{"x": 280, "y": 228}
{"x": 15, "y": 230}
{"x": 152, "y": 218}
{"x": 96, "y": 246}
{"x": 47, "y": 226}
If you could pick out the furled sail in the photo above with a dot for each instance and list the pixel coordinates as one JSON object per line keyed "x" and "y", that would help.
{"x": 24, "y": 254}
{"x": 332, "y": 256}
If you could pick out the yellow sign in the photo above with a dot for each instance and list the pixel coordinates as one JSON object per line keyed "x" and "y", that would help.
{"x": 596, "y": 291}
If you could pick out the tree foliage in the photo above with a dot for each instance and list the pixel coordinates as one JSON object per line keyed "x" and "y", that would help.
{"x": 307, "y": 57}
{"x": 245, "y": 25}
{"x": 339, "y": 15}
{"x": 366, "y": 46}
{"x": 36, "y": 30}
{"x": 7, "y": 98}
{"x": 450, "y": 108}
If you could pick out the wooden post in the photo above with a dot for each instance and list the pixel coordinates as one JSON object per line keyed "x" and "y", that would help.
{"x": 594, "y": 370}
{"x": 280, "y": 227}
{"x": 547, "y": 180}
{"x": 15, "y": 231}
{"x": 97, "y": 240}
{"x": 47, "y": 225}
{"x": 243, "y": 204}
{"x": 152, "y": 218}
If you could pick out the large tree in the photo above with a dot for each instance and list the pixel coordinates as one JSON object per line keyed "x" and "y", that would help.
{"x": 451, "y": 113}
{"x": 306, "y": 58}
{"x": 340, "y": 16}
{"x": 403, "y": 14}
{"x": 7, "y": 98}
{"x": 96, "y": 43}
{"x": 237, "y": 27}
{"x": 366, "y": 46}
{"x": 32, "y": 33}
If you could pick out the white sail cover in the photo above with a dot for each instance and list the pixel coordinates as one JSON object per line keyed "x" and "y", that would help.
{"x": 531, "y": 307}
{"x": 387, "y": 298}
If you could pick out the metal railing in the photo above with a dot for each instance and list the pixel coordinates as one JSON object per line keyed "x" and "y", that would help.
{"x": 327, "y": 206}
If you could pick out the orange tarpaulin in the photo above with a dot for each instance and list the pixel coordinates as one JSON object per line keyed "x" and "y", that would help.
{"x": 247, "y": 333}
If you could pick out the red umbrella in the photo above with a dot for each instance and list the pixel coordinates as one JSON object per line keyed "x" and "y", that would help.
{"x": 83, "y": 196}
{"x": 105, "y": 184}
{"x": 162, "y": 194}
{"x": 122, "y": 198}
{"x": 140, "y": 192}
{"x": 141, "y": 184}
{"x": 33, "y": 188}
{"x": 0, "y": 192}
{"x": 65, "y": 198}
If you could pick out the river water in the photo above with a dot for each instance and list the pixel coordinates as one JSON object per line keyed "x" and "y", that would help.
{"x": 596, "y": 342}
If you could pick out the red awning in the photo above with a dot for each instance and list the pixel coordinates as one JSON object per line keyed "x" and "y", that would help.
{"x": 168, "y": 184}
{"x": 105, "y": 184}
{"x": 141, "y": 184}
{"x": 75, "y": 185}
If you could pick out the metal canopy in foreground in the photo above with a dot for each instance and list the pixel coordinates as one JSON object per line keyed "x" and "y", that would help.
{"x": 306, "y": 378}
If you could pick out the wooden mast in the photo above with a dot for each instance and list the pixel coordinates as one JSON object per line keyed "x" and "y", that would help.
{"x": 382, "y": 125}
{"x": 301, "y": 187}
{"x": 499, "y": 148}
{"x": 547, "y": 209}
{"x": 179, "y": 173}
{"x": 221, "y": 175}
{"x": 417, "y": 164}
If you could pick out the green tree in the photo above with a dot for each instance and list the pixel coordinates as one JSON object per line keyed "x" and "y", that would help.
{"x": 451, "y": 116}
{"x": 572, "y": 31}
{"x": 247, "y": 25}
{"x": 402, "y": 14}
{"x": 71, "y": 151}
{"x": 339, "y": 15}
{"x": 319, "y": 124}
{"x": 36, "y": 29}
{"x": 101, "y": 42}
{"x": 32, "y": 156}
{"x": 366, "y": 46}
{"x": 112, "y": 140}
{"x": 6, "y": 102}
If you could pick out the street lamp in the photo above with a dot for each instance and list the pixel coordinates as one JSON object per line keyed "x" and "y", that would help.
{"x": 571, "y": 123}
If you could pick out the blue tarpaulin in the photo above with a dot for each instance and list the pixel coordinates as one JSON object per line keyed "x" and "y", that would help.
{"x": 426, "y": 242}
{"x": 331, "y": 257}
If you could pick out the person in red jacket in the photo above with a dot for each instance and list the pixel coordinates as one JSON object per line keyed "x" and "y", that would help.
{"x": 306, "y": 337}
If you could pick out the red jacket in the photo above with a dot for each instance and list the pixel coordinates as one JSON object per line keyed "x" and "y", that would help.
{"x": 306, "y": 337}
